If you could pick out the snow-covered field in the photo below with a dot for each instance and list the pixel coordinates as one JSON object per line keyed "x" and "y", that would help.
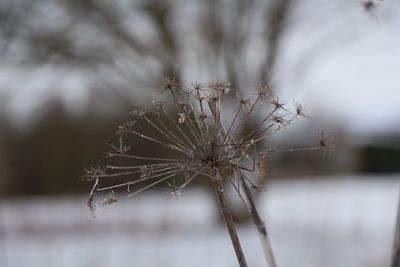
{"x": 338, "y": 221}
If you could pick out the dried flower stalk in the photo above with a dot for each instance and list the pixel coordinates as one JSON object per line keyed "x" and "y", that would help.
{"x": 395, "y": 260}
{"x": 204, "y": 144}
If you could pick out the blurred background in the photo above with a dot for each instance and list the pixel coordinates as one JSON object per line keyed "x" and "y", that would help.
{"x": 71, "y": 70}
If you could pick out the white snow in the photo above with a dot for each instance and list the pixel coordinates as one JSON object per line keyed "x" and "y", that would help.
{"x": 336, "y": 221}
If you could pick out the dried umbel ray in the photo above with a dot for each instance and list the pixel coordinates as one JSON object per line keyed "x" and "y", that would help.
{"x": 205, "y": 145}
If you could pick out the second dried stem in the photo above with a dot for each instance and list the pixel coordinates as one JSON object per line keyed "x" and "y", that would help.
{"x": 230, "y": 224}
{"x": 261, "y": 227}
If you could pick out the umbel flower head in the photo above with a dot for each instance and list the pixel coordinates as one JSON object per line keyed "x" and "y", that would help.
{"x": 205, "y": 141}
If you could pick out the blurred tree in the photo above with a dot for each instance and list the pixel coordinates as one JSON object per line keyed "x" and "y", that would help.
{"x": 49, "y": 158}
{"x": 119, "y": 47}
{"x": 141, "y": 42}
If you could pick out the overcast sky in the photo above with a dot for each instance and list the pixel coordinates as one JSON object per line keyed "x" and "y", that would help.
{"x": 355, "y": 76}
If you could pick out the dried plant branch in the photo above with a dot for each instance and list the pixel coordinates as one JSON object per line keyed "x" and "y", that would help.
{"x": 395, "y": 261}
{"x": 230, "y": 224}
{"x": 260, "y": 224}
{"x": 201, "y": 148}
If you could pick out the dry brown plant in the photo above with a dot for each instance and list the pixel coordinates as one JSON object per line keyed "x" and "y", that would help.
{"x": 207, "y": 142}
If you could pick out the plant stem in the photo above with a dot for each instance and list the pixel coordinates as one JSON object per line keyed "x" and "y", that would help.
{"x": 395, "y": 262}
{"x": 230, "y": 224}
{"x": 261, "y": 227}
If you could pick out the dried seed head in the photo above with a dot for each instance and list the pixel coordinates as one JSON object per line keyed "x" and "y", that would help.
{"x": 246, "y": 102}
{"x": 121, "y": 150}
{"x": 279, "y": 119}
{"x": 91, "y": 206}
{"x": 325, "y": 144}
{"x": 139, "y": 114}
{"x": 125, "y": 127}
{"x": 170, "y": 84}
{"x": 90, "y": 202}
{"x": 214, "y": 149}
{"x": 368, "y": 6}
{"x": 263, "y": 91}
{"x": 278, "y": 104}
{"x": 300, "y": 110}
{"x": 221, "y": 87}
{"x": 185, "y": 169}
{"x": 198, "y": 86}
{"x": 173, "y": 188}
{"x": 93, "y": 173}
{"x": 109, "y": 199}
{"x": 324, "y": 139}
